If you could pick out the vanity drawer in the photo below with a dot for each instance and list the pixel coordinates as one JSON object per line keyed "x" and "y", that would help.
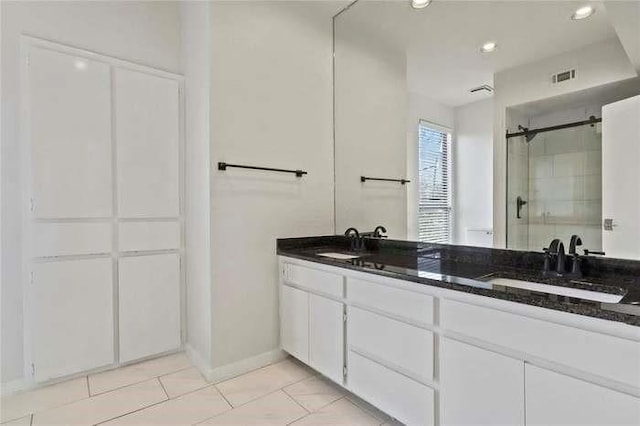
{"x": 405, "y": 399}
{"x": 606, "y": 356}
{"x": 404, "y": 347}
{"x": 315, "y": 280}
{"x": 400, "y": 303}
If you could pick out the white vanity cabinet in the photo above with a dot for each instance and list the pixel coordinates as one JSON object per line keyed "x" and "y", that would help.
{"x": 432, "y": 356}
{"x": 326, "y": 336}
{"x": 312, "y": 325}
{"x": 294, "y": 322}
{"x": 553, "y": 398}
{"x": 480, "y": 387}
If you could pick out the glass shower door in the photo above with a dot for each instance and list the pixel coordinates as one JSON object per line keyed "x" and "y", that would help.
{"x": 517, "y": 193}
{"x": 554, "y": 188}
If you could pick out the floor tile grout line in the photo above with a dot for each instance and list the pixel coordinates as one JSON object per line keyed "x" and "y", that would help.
{"x": 83, "y": 399}
{"x": 49, "y": 408}
{"x": 176, "y": 371}
{"x": 32, "y": 414}
{"x": 295, "y": 400}
{"x": 131, "y": 412}
{"x": 223, "y": 397}
{"x": 215, "y": 385}
{"x": 163, "y": 388}
{"x": 256, "y": 369}
{"x": 298, "y": 419}
{"x": 138, "y": 382}
{"x": 233, "y": 408}
{"x": 258, "y": 397}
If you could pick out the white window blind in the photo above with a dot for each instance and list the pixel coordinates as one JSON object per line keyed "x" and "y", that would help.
{"x": 434, "y": 173}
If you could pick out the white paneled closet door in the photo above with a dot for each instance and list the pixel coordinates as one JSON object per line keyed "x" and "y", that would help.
{"x": 104, "y": 228}
{"x": 73, "y": 307}
{"x": 70, "y": 299}
{"x": 148, "y": 163}
{"x": 70, "y": 132}
{"x": 148, "y": 145}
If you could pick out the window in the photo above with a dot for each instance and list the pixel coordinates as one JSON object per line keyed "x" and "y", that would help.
{"x": 434, "y": 174}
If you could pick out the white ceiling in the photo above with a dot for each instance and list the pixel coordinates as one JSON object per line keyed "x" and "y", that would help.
{"x": 442, "y": 41}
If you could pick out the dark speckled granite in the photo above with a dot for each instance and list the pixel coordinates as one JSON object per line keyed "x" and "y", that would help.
{"x": 467, "y": 269}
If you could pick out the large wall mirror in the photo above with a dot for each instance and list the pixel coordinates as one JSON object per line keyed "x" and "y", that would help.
{"x": 486, "y": 123}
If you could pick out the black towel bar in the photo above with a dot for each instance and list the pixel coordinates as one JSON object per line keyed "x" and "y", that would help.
{"x": 402, "y": 181}
{"x": 223, "y": 166}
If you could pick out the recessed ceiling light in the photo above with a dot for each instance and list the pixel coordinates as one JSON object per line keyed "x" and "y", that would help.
{"x": 489, "y": 46}
{"x": 420, "y": 4}
{"x": 80, "y": 65}
{"x": 583, "y": 12}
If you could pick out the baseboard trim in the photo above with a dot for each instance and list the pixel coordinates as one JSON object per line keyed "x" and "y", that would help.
{"x": 198, "y": 361}
{"x": 229, "y": 371}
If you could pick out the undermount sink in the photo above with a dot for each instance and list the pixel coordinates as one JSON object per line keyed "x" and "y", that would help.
{"x": 595, "y": 296}
{"x": 339, "y": 256}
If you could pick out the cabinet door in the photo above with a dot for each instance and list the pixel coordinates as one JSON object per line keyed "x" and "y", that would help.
{"x": 326, "y": 331}
{"x": 294, "y": 322}
{"x": 149, "y": 309}
{"x": 479, "y": 387}
{"x": 555, "y": 399}
{"x": 147, "y": 138}
{"x": 72, "y": 303}
{"x": 69, "y": 117}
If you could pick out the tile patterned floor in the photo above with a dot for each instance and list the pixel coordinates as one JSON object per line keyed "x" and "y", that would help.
{"x": 170, "y": 391}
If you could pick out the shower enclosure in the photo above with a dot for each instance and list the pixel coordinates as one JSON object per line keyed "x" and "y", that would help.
{"x": 554, "y": 185}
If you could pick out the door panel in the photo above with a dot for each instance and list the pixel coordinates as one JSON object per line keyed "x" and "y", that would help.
{"x": 294, "y": 322}
{"x": 405, "y": 399}
{"x": 72, "y": 312}
{"x": 479, "y": 387}
{"x": 326, "y": 331}
{"x": 147, "y": 138}
{"x": 70, "y": 133}
{"x": 149, "y": 295}
{"x": 555, "y": 399}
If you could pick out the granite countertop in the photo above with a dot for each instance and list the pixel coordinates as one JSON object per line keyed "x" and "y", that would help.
{"x": 468, "y": 269}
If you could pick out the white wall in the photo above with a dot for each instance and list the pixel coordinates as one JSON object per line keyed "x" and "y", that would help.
{"x": 271, "y": 86}
{"x": 370, "y": 131}
{"x": 597, "y": 64}
{"x": 473, "y": 168}
{"x": 420, "y": 108}
{"x": 142, "y": 32}
{"x": 196, "y": 60}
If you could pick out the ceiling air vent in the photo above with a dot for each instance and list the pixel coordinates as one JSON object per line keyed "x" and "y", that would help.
{"x": 563, "y": 76}
{"x": 484, "y": 88}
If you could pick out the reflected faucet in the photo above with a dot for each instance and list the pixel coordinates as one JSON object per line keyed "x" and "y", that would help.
{"x": 576, "y": 269}
{"x": 379, "y": 231}
{"x": 555, "y": 250}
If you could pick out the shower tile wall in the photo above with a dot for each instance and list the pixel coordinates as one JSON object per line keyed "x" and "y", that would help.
{"x": 565, "y": 187}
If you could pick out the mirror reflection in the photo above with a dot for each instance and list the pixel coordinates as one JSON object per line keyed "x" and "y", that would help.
{"x": 490, "y": 123}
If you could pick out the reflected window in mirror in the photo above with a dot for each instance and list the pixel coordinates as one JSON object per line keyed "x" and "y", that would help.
{"x": 434, "y": 174}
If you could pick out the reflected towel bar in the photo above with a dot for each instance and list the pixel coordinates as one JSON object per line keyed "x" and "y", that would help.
{"x": 402, "y": 181}
{"x": 223, "y": 166}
